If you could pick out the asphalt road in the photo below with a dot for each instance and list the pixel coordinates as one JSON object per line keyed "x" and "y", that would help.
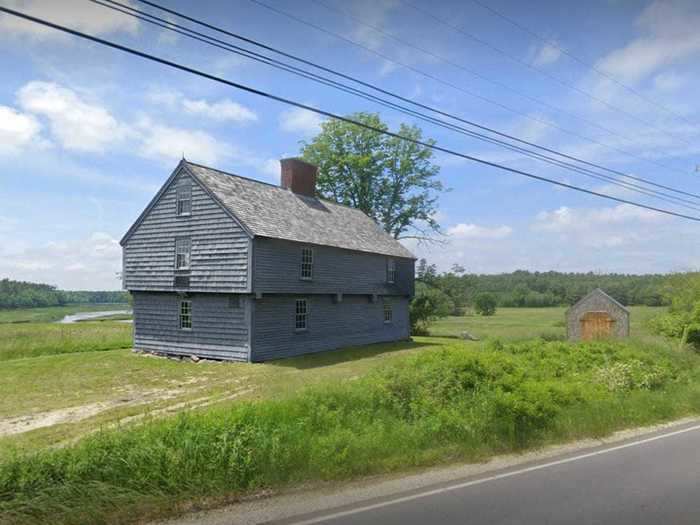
{"x": 653, "y": 479}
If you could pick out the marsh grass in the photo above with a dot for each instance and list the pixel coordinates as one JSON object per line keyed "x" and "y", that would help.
{"x": 459, "y": 403}
{"x": 23, "y": 340}
{"x": 50, "y": 314}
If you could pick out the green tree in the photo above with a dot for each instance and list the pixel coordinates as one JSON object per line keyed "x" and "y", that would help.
{"x": 391, "y": 180}
{"x": 485, "y": 304}
{"x": 427, "y": 306}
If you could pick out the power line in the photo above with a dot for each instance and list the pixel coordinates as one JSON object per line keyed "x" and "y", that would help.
{"x": 381, "y": 90}
{"x": 464, "y": 90}
{"x": 329, "y": 114}
{"x": 528, "y": 65}
{"x": 170, "y": 25}
{"x": 495, "y": 82}
{"x": 580, "y": 61}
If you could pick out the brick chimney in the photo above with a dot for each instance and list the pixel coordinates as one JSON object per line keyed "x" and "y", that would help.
{"x": 299, "y": 176}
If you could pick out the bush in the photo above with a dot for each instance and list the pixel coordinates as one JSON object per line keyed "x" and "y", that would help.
{"x": 485, "y": 304}
{"x": 442, "y": 405}
{"x": 428, "y": 305}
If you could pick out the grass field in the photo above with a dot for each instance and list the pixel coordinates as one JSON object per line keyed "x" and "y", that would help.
{"x": 25, "y": 340}
{"x": 522, "y": 323}
{"x": 53, "y": 313}
{"x": 330, "y": 416}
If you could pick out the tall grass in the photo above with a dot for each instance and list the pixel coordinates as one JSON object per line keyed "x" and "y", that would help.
{"x": 454, "y": 404}
{"x": 23, "y": 340}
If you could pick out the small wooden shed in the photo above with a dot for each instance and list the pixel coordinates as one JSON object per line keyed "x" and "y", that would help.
{"x": 597, "y": 316}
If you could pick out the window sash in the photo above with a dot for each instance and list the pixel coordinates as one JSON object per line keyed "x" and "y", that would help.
{"x": 186, "y": 315}
{"x": 183, "y": 254}
{"x": 184, "y": 199}
{"x": 391, "y": 271}
{"x": 307, "y": 264}
{"x": 301, "y": 310}
{"x": 388, "y": 312}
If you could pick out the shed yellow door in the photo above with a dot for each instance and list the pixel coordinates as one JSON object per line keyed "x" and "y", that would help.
{"x": 596, "y": 325}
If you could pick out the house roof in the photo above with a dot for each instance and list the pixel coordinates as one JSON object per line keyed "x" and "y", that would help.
{"x": 598, "y": 291}
{"x": 267, "y": 210}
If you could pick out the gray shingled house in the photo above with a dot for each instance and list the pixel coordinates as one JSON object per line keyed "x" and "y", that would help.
{"x": 225, "y": 267}
{"x": 597, "y": 316}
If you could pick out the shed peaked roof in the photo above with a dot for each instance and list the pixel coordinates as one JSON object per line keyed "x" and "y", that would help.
{"x": 271, "y": 211}
{"x": 598, "y": 291}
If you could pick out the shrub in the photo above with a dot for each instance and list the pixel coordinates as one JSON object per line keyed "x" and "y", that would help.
{"x": 485, "y": 304}
{"x": 454, "y": 403}
{"x": 428, "y": 305}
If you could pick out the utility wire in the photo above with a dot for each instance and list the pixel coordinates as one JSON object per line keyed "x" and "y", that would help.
{"x": 464, "y": 90}
{"x": 328, "y": 114}
{"x": 503, "y": 85}
{"x": 379, "y": 89}
{"x": 513, "y": 58}
{"x": 580, "y": 61}
{"x": 172, "y": 26}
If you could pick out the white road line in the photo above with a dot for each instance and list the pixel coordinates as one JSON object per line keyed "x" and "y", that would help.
{"x": 479, "y": 481}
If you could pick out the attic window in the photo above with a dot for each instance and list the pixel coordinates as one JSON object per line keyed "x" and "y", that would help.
{"x": 307, "y": 264}
{"x": 391, "y": 271}
{"x": 184, "y": 199}
{"x": 183, "y": 252}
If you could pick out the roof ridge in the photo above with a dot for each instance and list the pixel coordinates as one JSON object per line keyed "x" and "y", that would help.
{"x": 230, "y": 174}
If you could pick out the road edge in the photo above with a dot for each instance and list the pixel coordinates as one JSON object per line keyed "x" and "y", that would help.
{"x": 319, "y": 499}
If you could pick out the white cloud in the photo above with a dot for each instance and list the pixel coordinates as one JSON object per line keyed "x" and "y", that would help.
{"x": 17, "y": 130}
{"x": 599, "y": 227}
{"x": 169, "y": 144}
{"x": 672, "y": 35}
{"x": 669, "y": 81}
{"x": 474, "y": 231}
{"x": 76, "y": 124}
{"x": 89, "y": 263}
{"x": 77, "y": 14}
{"x": 565, "y": 219}
{"x": 547, "y": 54}
{"x": 300, "y": 121}
{"x": 223, "y": 110}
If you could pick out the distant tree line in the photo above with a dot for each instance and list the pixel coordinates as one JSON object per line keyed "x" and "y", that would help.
{"x": 21, "y": 294}
{"x": 536, "y": 289}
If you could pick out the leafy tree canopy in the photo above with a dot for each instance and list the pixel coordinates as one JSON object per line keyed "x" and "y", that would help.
{"x": 391, "y": 180}
{"x": 485, "y": 304}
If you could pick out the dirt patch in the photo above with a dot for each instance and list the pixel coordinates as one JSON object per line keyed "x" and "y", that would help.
{"x": 128, "y": 397}
{"x": 21, "y": 424}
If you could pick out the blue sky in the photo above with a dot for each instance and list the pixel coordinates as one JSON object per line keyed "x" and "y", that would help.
{"x": 87, "y": 135}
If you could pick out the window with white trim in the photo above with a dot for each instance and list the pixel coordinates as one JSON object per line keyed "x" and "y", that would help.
{"x": 302, "y": 315}
{"x": 186, "y": 315}
{"x": 391, "y": 271}
{"x": 307, "y": 264}
{"x": 184, "y": 199}
{"x": 388, "y": 312}
{"x": 183, "y": 252}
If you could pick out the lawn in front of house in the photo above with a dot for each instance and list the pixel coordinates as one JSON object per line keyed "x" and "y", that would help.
{"x": 347, "y": 414}
{"x": 79, "y": 389}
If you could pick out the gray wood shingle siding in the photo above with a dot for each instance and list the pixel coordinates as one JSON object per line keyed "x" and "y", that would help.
{"x": 277, "y": 269}
{"x": 220, "y": 329}
{"x": 220, "y": 247}
{"x": 245, "y": 242}
{"x": 354, "y": 321}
